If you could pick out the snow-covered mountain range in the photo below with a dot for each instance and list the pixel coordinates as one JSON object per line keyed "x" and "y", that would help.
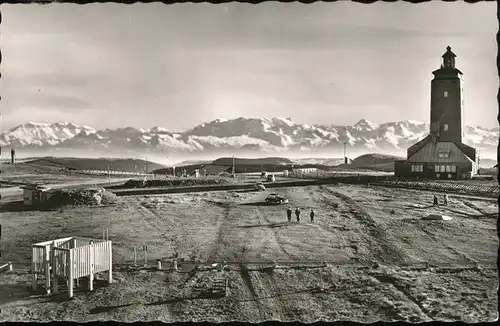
{"x": 237, "y": 136}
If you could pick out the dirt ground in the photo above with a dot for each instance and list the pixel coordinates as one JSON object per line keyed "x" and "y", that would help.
{"x": 372, "y": 239}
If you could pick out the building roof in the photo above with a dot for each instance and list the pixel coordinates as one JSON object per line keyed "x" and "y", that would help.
{"x": 35, "y": 187}
{"x": 448, "y": 53}
{"x": 470, "y": 152}
{"x": 447, "y": 72}
{"x": 430, "y": 153}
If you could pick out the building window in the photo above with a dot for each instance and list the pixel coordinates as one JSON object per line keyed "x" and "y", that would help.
{"x": 444, "y": 154}
{"x": 448, "y": 168}
{"x": 445, "y": 127}
{"x": 445, "y": 94}
{"x": 453, "y": 168}
{"x": 417, "y": 168}
{"x": 442, "y": 168}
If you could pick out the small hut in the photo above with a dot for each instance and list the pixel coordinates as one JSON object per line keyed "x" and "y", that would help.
{"x": 35, "y": 195}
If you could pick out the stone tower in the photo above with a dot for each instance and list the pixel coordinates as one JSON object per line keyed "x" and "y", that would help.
{"x": 446, "y": 101}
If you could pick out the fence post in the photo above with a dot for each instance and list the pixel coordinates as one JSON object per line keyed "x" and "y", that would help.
{"x": 54, "y": 271}
{"x": 110, "y": 260}
{"x": 69, "y": 263}
{"x": 34, "y": 275}
{"x": 91, "y": 260}
{"x": 47, "y": 268}
{"x": 158, "y": 263}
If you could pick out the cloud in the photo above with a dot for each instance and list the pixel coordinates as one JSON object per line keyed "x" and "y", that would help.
{"x": 182, "y": 64}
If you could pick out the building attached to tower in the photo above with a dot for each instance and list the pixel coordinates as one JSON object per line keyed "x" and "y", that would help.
{"x": 441, "y": 154}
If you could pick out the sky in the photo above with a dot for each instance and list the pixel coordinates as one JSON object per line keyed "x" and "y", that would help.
{"x": 176, "y": 66}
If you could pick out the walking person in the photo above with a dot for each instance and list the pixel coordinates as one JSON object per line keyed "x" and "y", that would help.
{"x": 312, "y": 216}
{"x": 297, "y": 214}
{"x": 436, "y": 201}
{"x": 445, "y": 199}
{"x": 289, "y": 214}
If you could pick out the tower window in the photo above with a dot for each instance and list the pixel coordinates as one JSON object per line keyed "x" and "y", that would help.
{"x": 445, "y": 127}
{"x": 445, "y": 94}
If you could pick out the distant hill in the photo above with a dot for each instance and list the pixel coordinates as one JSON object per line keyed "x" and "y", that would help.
{"x": 375, "y": 159}
{"x": 487, "y": 163}
{"x": 192, "y": 162}
{"x": 375, "y": 162}
{"x": 228, "y": 161}
{"x": 320, "y": 161}
{"x": 49, "y": 164}
{"x": 242, "y": 165}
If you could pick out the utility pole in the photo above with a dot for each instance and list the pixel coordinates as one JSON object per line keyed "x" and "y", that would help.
{"x": 233, "y": 166}
{"x": 109, "y": 175}
{"x": 345, "y": 152}
{"x": 146, "y": 165}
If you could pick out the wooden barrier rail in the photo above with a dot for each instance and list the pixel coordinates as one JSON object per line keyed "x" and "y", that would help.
{"x": 484, "y": 190}
{"x": 70, "y": 258}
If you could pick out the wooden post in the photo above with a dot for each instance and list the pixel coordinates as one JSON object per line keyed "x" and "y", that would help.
{"x": 145, "y": 248}
{"x": 33, "y": 280}
{"x": 175, "y": 264}
{"x": 135, "y": 256}
{"x": 107, "y": 234}
{"x": 70, "y": 272}
{"x": 33, "y": 271}
{"x": 54, "y": 272}
{"x": 426, "y": 265}
{"x": 110, "y": 259}
{"x": 158, "y": 263}
{"x": 91, "y": 261}
{"x": 47, "y": 268}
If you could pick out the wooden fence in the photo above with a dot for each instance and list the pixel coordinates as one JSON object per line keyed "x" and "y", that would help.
{"x": 456, "y": 187}
{"x": 70, "y": 259}
{"x": 470, "y": 187}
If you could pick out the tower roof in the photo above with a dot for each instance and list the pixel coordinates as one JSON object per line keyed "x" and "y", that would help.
{"x": 448, "y": 53}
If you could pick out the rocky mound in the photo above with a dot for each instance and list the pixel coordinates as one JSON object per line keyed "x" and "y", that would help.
{"x": 80, "y": 197}
{"x": 172, "y": 183}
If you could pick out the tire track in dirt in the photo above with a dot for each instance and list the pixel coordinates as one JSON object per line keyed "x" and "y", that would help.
{"x": 344, "y": 243}
{"x": 474, "y": 207}
{"x": 276, "y": 237}
{"x": 453, "y": 250}
{"x": 266, "y": 281}
{"x": 150, "y": 217}
{"x": 257, "y": 281}
{"x": 213, "y": 253}
{"x": 272, "y": 299}
{"x": 391, "y": 280}
{"x": 381, "y": 248}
